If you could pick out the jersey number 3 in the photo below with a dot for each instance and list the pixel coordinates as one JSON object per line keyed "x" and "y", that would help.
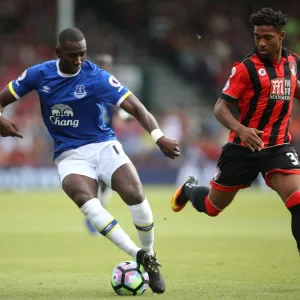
{"x": 293, "y": 157}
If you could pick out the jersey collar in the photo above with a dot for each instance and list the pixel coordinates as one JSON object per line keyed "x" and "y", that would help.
{"x": 285, "y": 54}
{"x": 64, "y": 74}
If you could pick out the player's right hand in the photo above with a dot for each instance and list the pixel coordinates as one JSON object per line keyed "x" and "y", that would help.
{"x": 251, "y": 138}
{"x": 8, "y": 128}
{"x": 169, "y": 147}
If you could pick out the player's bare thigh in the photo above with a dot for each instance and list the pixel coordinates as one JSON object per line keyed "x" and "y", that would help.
{"x": 221, "y": 199}
{"x": 284, "y": 184}
{"x": 80, "y": 188}
{"x": 126, "y": 182}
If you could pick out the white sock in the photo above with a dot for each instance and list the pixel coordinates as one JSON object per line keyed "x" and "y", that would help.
{"x": 108, "y": 226}
{"x": 143, "y": 220}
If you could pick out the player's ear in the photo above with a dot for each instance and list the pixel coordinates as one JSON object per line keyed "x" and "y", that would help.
{"x": 282, "y": 35}
{"x": 57, "y": 51}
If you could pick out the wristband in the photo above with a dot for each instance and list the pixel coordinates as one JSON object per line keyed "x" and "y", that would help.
{"x": 156, "y": 134}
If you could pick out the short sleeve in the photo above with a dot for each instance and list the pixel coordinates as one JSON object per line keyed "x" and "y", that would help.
{"x": 236, "y": 83}
{"x": 109, "y": 89}
{"x": 25, "y": 83}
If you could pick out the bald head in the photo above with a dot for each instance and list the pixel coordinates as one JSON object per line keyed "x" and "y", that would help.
{"x": 70, "y": 35}
{"x": 71, "y": 50}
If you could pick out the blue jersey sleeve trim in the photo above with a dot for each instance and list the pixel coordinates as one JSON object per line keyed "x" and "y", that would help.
{"x": 123, "y": 98}
{"x": 10, "y": 86}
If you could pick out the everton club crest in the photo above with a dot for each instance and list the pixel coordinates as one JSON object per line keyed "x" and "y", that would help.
{"x": 80, "y": 91}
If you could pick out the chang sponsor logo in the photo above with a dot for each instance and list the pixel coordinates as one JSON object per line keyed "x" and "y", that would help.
{"x": 61, "y": 115}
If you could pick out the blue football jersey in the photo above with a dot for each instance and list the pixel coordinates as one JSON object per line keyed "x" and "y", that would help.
{"x": 108, "y": 114}
{"x": 72, "y": 105}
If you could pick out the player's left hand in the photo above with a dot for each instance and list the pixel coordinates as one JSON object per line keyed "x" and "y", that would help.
{"x": 168, "y": 147}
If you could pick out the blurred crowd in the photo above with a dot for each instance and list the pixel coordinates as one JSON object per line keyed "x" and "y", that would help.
{"x": 199, "y": 39}
{"x": 202, "y": 38}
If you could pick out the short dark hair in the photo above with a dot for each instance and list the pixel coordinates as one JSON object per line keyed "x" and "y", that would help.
{"x": 71, "y": 35}
{"x": 269, "y": 17}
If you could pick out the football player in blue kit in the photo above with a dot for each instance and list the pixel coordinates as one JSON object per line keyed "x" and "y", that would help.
{"x": 72, "y": 91}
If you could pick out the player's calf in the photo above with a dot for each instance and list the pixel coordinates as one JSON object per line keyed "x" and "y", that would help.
{"x": 198, "y": 196}
{"x": 143, "y": 221}
{"x": 108, "y": 226}
{"x": 293, "y": 205}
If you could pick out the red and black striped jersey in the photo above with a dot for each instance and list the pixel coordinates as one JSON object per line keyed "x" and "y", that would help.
{"x": 264, "y": 92}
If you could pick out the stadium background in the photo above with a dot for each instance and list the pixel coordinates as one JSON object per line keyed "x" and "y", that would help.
{"x": 157, "y": 55}
{"x": 247, "y": 252}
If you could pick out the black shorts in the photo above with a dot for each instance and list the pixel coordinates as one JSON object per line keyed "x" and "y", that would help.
{"x": 238, "y": 166}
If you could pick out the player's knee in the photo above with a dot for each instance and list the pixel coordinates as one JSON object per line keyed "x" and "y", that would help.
{"x": 214, "y": 212}
{"x": 132, "y": 193}
{"x": 78, "y": 189}
{"x": 211, "y": 209}
{"x": 80, "y": 198}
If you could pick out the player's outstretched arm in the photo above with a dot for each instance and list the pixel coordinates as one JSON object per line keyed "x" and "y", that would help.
{"x": 135, "y": 108}
{"x": 7, "y": 128}
{"x": 250, "y": 136}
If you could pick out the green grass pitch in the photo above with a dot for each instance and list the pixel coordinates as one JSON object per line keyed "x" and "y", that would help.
{"x": 247, "y": 252}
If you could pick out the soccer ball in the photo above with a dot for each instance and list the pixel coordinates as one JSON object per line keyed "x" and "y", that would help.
{"x": 129, "y": 279}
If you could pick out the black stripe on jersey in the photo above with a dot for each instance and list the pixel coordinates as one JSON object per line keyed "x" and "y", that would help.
{"x": 250, "y": 66}
{"x": 284, "y": 109}
{"x": 266, "y": 115}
